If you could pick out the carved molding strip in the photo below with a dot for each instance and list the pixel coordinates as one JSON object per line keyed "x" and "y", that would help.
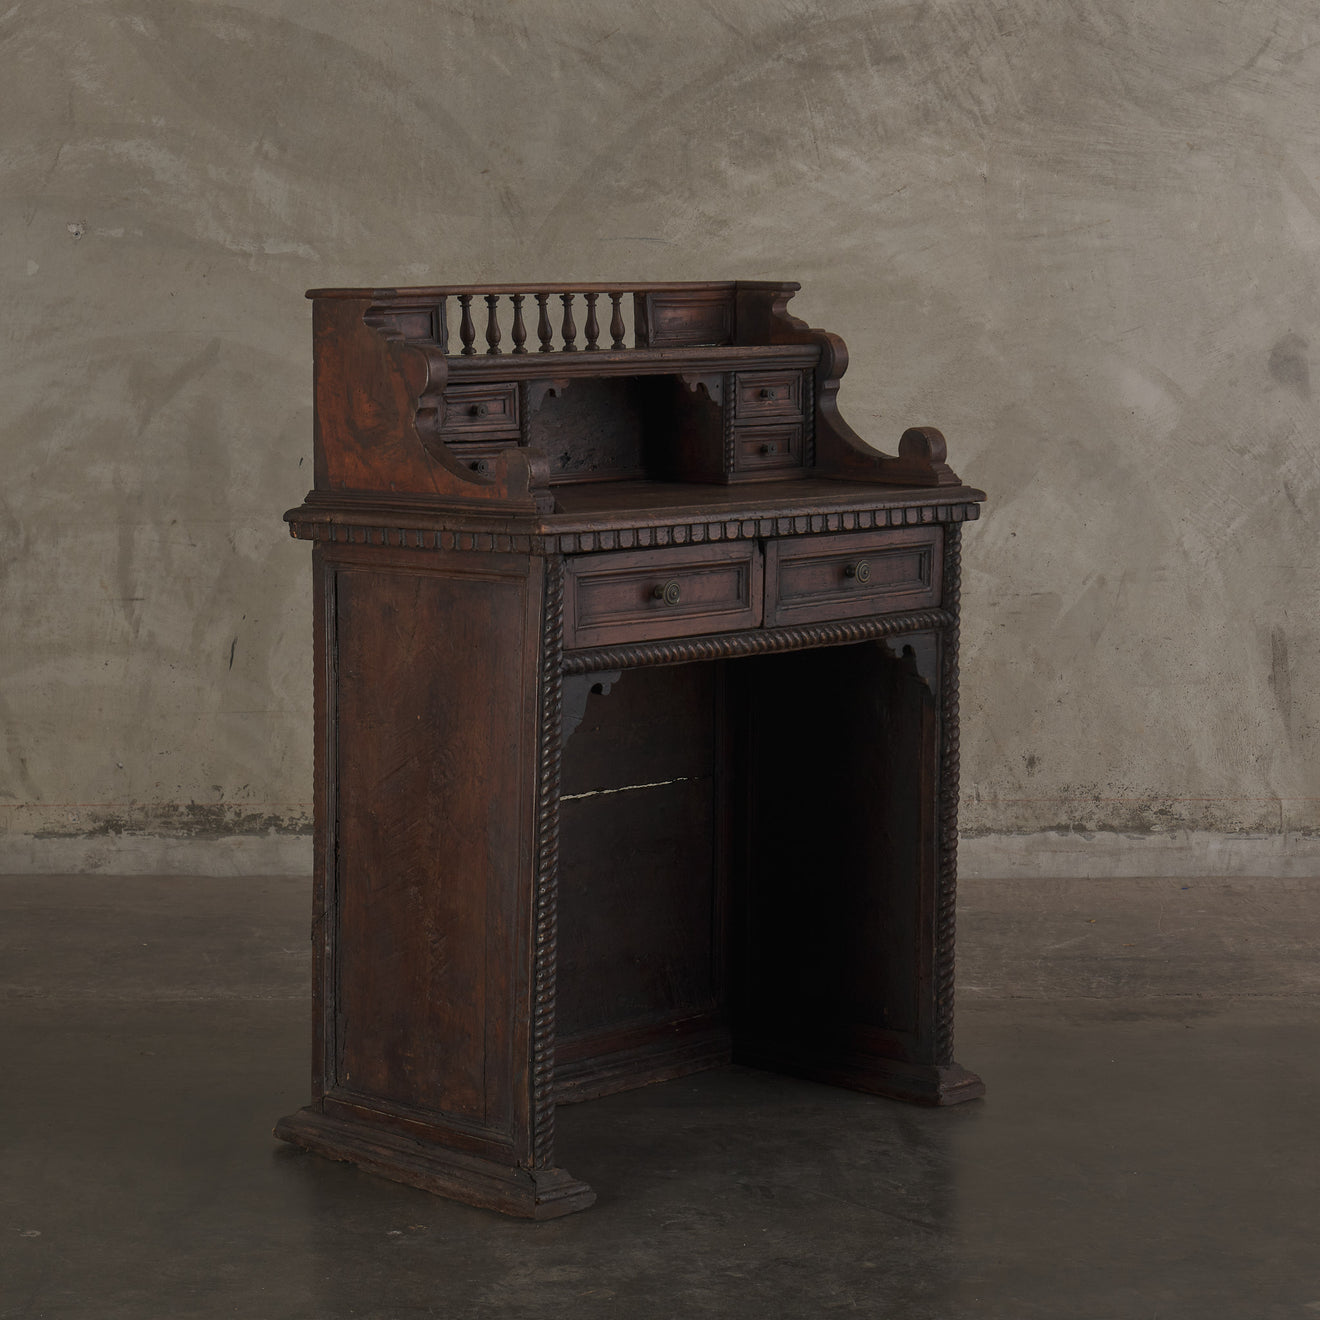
{"x": 947, "y": 837}
{"x": 312, "y": 528}
{"x": 746, "y": 529}
{"x": 763, "y": 641}
{"x": 730, "y": 444}
{"x": 809, "y": 412}
{"x": 546, "y": 897}
{"x": 410, "y": 538}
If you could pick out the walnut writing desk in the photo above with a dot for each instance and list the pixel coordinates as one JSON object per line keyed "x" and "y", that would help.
{"x": 636, "y": 721}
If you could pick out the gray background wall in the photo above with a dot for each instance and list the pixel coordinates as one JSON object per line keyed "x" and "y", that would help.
{"x": 1081, "y": 238}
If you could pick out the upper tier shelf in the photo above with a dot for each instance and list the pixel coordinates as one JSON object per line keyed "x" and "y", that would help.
{"x": 417, "y": 397}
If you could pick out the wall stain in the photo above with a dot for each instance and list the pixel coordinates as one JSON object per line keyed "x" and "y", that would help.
{"x": 1288, "y": 364}
{"x": 181, "y": 820}
{"x": 1281, "y": 675}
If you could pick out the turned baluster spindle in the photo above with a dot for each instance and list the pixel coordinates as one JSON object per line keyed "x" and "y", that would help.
{"x": 492, "y": 324}
{"x": 467, "y": 332}
{"x": 543, "y": 331}
{"x": 592, "y": 328}
{"x": 568, "y": 329}
{"x": 519, "y": 331}
{"x": 443, "y": 313}
{"x": 616, "y": 322}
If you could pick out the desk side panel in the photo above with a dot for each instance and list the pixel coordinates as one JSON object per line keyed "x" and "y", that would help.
{"x": 434, "y": 736}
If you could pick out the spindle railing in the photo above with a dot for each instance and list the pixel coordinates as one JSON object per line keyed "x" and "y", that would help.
{"x": 611, "y": 314}
{"x": 551, "y": 321}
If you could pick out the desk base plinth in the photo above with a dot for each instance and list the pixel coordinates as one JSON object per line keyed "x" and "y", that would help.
{"x": 917, "y": 1084}
{"x": 512, "y": 1190}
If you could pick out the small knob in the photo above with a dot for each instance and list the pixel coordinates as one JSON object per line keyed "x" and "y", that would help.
{"x": 481, "y": 465}
{"x": 767, "y": 393}
{"x": 860, "y": 571}
{"x": 666, "y": 591}
{"x": 770, "y": 447}
{"x": 479, "y": 410}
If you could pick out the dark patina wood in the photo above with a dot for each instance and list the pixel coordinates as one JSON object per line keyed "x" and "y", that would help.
{"x": 636, "y": 721}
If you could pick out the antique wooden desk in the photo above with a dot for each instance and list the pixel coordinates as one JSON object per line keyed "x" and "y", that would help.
{"x": 636, "y": 721}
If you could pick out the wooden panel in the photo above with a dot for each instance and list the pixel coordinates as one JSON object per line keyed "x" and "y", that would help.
{"x": 813, "y": 578}
{"x": 669, "y": 319}
{"x": 612, "y": 598}
{"x": 766, "y": 394}
{"x": 409, "y": 321}
{"x": 641, "y": 925}
{"x": 433, "y": 865}
{"x": 592, "y": 430}
{"x": 636, "y": 888}
{"x": 481, "y": 411}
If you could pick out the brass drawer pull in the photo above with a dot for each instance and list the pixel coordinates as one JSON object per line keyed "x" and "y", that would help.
{"x": 859, "y": 572}
{"x": 668, "y": 592}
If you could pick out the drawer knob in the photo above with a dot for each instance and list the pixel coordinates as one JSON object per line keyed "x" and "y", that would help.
{"x": 479, "y": 410}
{"x": 480, "y": 466}
{"x": 770, "y": 447}
{"x": 668, "y": 592}
{"x": 767, "y": 393}
{"x": 859, "y": 572}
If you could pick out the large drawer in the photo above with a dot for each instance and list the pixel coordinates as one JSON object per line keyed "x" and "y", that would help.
{"x": 642, "y": 595}
{"x": 809, "y": 579}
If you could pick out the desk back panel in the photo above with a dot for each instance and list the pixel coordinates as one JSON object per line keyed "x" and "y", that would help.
{"x": 641, "y": 885}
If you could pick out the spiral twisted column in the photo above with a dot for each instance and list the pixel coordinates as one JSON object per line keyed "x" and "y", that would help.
{"x": 546, "y": 900}
{"x": 947, "y": 876}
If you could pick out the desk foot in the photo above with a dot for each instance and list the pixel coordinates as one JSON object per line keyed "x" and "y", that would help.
{"x": 510, "y": 1189}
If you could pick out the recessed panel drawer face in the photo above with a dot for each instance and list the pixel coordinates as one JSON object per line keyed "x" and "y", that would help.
{"x": 810, "y": 579}
{"x": 479, "y": 454}
{"x": 764, "y": 450}
{"x": 644, "y": 595}
{"x": 767, "y": 394}
{"x": 481, "y": 412}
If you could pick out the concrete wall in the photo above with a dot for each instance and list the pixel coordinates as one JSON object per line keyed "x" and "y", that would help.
{"x": 1081, "y": 238}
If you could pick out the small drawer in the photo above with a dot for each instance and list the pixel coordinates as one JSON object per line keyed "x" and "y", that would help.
{"x": 480, "y": 412}
{"x": 761, "y": 451}
{"x": 766, "y": 394}
{"x": 644, "y": 595}
{"x": 810, "y": 579}
{"x": 479, "y": 454}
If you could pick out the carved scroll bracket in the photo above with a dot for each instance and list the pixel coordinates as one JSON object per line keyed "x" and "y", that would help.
{"x": 536, "y": 392}
{"x": 711, "y": 385}
{"x": 763, "y": 317}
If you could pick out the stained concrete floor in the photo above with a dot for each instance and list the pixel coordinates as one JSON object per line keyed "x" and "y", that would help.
{"x": 1148, "y": 1148}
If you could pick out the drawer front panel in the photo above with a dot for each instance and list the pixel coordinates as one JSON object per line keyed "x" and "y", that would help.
{"x": 646, "y": 595}
{"x": 480, "y": 412}
{"x": 810, "y": 579}
{"x": 765, "y": 449}
{"x": 479, "y": 454}
{"x": 767, "y": 394}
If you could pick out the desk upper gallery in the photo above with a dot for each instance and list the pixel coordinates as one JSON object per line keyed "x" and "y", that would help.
{"x": 636, "y": 702}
